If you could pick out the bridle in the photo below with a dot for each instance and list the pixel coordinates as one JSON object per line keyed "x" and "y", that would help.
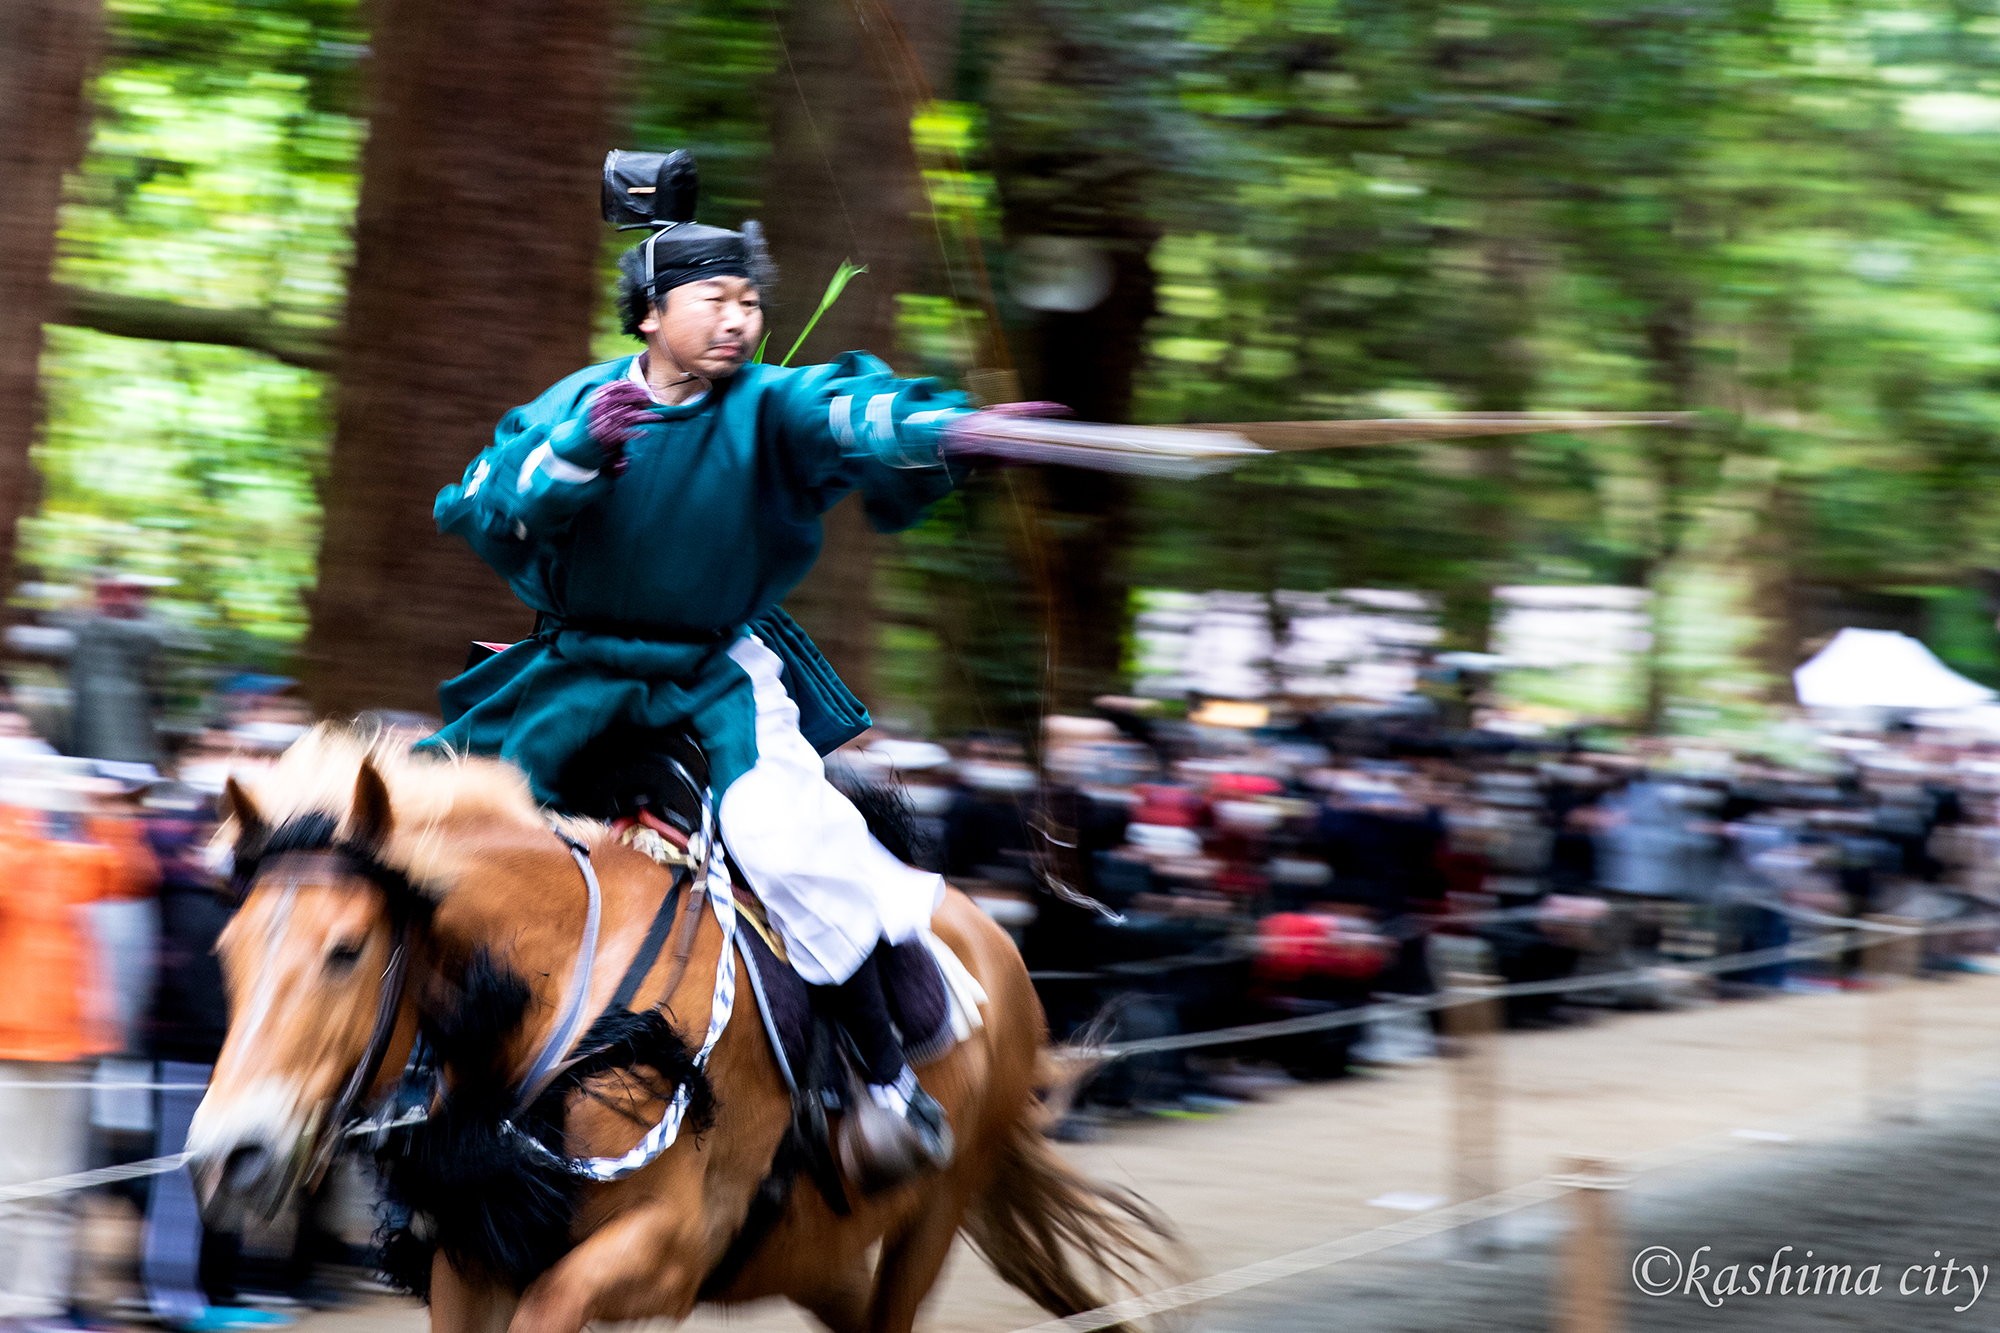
{"x": 409, "y": 907}
{"x": 313, "y": 836}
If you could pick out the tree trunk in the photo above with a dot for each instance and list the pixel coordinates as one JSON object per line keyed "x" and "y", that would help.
{"x": 1493, "y": 361}
{"x": 844, "y": 185}
{"x": 473, "y": 290}
{"x": 46, "y": 55}
{"x": 1670, "y": 342}
{"x": 1087, "y": 361}
{"x": 1059, "y": 177}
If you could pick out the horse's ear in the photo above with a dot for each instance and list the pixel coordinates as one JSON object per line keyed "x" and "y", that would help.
{"x": 369, "y": 820}
{"x": 237, "y": 805}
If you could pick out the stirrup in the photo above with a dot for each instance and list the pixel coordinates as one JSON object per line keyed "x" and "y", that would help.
{"x": 880, "y": 1150}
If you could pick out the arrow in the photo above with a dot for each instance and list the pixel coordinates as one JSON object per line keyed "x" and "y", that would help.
{"x": 1294, "y": 435}
{"x": 1185, "y": 452}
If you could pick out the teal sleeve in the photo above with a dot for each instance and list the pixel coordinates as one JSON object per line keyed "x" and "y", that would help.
{"x": 526, "y": 488}
{"x": 854, "y": 424}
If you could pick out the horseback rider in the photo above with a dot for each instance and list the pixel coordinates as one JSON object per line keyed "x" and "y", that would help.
{"x": 654, "y": 510}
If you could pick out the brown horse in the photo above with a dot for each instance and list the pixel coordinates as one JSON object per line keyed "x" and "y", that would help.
{"x": 352, "y": 853}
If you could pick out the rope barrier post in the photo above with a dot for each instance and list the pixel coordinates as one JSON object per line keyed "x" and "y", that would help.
{"x": 1475, "y": 1096}
{"x": 1590, "y": 1271}
{"x": 1888, "y": 962}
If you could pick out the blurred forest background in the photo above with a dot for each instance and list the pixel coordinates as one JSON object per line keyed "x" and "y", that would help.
{"x": 305, "y": 252}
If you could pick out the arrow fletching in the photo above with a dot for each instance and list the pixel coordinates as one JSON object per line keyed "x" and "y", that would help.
{"x": 1177, "y": 452}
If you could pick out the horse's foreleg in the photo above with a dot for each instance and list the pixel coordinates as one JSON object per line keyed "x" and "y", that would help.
{"x": 911, "y": 1262}
{"x": 463, "y": 1305}
{"x": 842, "y": 1304}
{"x": 642, "y": 1265}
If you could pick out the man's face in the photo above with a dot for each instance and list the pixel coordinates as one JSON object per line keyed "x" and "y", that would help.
{"x": 708, "y": 328}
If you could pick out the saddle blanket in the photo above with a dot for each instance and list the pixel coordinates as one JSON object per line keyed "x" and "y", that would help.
{"x": 933, "y": 998}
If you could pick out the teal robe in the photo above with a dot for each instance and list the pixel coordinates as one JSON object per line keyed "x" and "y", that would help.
{"x": 644, "y": 580}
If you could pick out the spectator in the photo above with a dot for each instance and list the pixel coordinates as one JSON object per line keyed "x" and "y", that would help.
{"x": 55, "y": 1017}
{"x": 110, "y": 649}
{"x": 182, "y": 1265}
{"x": 18, "y": 739}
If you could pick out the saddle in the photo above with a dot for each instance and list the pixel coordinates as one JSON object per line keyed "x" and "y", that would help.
{"x": 631, "y": 772}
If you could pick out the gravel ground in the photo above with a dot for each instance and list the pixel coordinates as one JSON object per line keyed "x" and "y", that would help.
{"x": 1907, "y": 1196}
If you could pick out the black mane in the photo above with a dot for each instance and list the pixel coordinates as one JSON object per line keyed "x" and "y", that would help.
{"x": 318, "y": 831}
{"x": 467, "y": 1187}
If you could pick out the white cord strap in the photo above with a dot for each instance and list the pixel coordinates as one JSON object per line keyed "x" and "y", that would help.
{"x": 662, "y": 1135}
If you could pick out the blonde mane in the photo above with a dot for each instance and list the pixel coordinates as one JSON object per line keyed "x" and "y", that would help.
{"x": 436, "y": 797}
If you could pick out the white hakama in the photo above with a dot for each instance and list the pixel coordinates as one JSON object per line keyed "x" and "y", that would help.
{"x": 831, "y": 889}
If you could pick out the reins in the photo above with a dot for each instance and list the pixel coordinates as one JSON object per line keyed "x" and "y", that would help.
{"x": 684, "y": 945}
{"x": 635, "y": 973}
{"x": 344, "y": 1115}
{"x": 549, "y": 1064}
{"x": 569, "y": 1023}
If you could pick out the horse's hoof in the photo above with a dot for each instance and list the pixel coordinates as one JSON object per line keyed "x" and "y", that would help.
{"x": 880, "y": 1150}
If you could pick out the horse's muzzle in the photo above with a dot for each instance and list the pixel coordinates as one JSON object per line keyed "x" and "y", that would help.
{"x": 248, "y": 1181}
{"x": 246, "y": 1165}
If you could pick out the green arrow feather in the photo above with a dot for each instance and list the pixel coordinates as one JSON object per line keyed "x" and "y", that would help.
{"x": 846, "y": 273}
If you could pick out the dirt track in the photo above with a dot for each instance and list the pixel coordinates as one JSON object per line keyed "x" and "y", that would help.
{"x": 1299, "y": 1167}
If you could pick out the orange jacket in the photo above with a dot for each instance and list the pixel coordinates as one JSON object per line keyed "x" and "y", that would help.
{"x": 138, "y": 868}
{"x": 46, "y": 955}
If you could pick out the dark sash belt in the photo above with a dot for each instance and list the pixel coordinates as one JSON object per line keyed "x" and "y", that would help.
{"x": 547, "y": 626}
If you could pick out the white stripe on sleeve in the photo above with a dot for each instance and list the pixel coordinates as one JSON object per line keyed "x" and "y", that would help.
{"x": 558, "y": 469}
{"x": 840, "y": 416}
{"x": 880, "y": 423}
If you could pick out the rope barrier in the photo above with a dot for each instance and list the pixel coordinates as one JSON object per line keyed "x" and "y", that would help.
{"x": 83, "y": 1180}
{"x": 79, "y": 1085}
{"x": 1286, "y": 1027}
{"x": 1420, "y": 1004}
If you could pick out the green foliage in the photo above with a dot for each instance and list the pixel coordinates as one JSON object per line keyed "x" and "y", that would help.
{"x": 1779, "y": 214}
{"x": 191, "y": 462}
{"x": 696, "y": 73}
{"x": 221, "y": 174}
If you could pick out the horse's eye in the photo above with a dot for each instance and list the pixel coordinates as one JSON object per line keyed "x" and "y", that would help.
{"x": 342, "y": 957}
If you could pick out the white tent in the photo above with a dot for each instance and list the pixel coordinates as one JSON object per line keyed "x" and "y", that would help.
{"x": 1874, "y": 668}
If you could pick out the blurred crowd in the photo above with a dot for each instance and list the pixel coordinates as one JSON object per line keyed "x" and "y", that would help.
{"x": 1219, "y": 867}
{"x": 114, "y": 1010}
{"x": 1250, "y": 871}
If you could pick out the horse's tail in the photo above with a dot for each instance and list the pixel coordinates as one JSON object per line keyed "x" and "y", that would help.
{"x": 1045, "y": 1227}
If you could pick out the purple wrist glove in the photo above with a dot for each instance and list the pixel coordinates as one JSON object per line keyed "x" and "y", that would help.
{"x": 618, "y": 412}
{"x": 967, "y": 439}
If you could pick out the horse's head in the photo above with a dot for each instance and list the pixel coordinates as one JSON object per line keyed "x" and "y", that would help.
{"x": 312, "y": 966}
